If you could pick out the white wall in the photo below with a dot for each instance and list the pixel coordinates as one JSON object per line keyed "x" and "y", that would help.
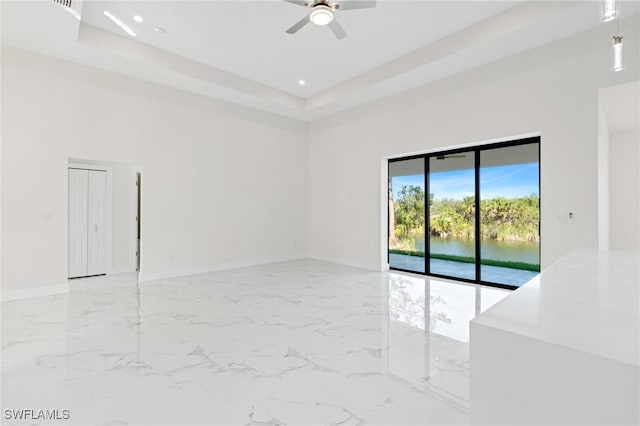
{"x": 123, "y": 216}
{"x": 223, "y": 185}
{"x": 624, "y": 190}
{"x": 603, "y": 178}
{"x": 552, "y": 91}
{"x": 227, "y": 186}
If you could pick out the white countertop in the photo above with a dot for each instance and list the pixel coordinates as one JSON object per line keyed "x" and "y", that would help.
{"x": 587, "y": 301}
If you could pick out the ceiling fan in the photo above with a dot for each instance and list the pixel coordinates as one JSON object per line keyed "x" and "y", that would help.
{"x": 444, "y": 157}
{"x": 323, "y": 13}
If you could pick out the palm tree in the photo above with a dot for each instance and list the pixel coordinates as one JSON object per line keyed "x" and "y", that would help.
{"x": 392, "y": 218}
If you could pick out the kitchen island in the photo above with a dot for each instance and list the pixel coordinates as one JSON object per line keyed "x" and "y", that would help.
{"x": 563, "y": 348}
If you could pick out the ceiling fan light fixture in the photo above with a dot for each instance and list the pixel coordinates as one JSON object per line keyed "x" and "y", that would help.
{"x": 321, "y": 15}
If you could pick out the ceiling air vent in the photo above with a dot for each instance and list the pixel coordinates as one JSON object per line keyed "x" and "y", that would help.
{"x": 67, "y": 6}
{"x": 65, "y": 3}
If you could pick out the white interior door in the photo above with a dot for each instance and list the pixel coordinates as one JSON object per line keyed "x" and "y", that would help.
{"x": 78, "y": 222}
{"x": 97, "y": 235}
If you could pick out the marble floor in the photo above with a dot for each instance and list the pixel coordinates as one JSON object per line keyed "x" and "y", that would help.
{"x": 302, "y": 342}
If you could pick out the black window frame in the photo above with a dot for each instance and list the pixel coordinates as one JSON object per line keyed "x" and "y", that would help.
{"x": 476, "y": 150}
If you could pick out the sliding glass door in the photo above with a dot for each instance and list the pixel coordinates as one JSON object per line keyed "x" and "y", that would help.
{"x": 510, "y": 214}
{"x": 470, "y": 214}
{"x": 406, "y": 230}
{"x": 452, "y": 211}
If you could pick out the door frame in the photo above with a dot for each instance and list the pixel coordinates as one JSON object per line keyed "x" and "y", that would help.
{"x": 474, "y": 149}
{"x": 133, "y": 231}
{"x": 109, "y": 213}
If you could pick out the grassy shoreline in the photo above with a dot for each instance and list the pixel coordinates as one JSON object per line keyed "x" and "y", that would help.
{"x": 467, "y": 259}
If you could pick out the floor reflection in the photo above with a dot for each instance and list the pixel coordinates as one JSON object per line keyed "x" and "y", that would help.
{"x": 300, "y": 342}
{"x": 428, "y": 342}
{"x": 492, "y": 274}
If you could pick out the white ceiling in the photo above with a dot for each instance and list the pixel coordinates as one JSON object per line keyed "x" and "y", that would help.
{"x": 248, "y": 38}
{"x": 238, "y": 51}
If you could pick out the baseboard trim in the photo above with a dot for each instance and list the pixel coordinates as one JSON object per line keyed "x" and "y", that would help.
{"x": 30, "y": 293}
{"x": 153, "y": 276}
{"x": 121, "y": 270}
{"x": 353, "y": 263}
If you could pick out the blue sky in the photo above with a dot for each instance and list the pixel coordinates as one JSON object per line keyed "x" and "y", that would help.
{"x": 512, "y": 181}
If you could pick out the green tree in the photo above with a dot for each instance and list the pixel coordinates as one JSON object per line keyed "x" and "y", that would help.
{"x": 409, "y": 211}
{"x": 515, "y": 219}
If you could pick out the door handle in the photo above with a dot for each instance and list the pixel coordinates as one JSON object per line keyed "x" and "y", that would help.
{"x": 96, "y": 228}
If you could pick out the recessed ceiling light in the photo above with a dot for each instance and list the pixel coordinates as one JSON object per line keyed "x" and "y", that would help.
{"x": 138, "y": 18}
{"x": 119, "y": 23}
{"x": 159, "y": 30}
{"x": 302, "y": 82}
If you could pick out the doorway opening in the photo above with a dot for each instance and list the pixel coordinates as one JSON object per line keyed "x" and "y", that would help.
{"x": 471, "y": 214}
{"x": 103, "y": 218}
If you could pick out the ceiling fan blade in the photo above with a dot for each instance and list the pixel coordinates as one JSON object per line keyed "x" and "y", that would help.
{"x": 297, "y": 26}
{"x": 357, "y": 4}
{"x": 299, "y": 2}
{"x": 337, "y": 29}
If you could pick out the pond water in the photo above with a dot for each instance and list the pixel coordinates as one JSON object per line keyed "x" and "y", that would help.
{"x": 515, "y": 251}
